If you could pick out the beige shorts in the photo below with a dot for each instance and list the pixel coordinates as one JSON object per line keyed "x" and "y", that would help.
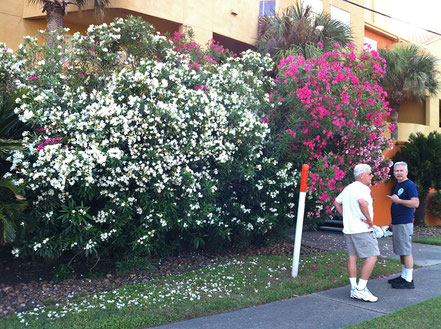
{"x": 362, "y": 244}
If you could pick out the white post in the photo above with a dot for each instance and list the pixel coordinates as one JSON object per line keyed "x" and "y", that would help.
{"x": 299, "y": 225}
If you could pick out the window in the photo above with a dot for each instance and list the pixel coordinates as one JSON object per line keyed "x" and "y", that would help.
{"x": 316, "y": 5}
{"x": 341, "y": 15}
{"x": 267, "y": 8}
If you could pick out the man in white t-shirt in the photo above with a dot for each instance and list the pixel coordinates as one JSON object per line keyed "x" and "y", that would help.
{"x": 354, "y": 203}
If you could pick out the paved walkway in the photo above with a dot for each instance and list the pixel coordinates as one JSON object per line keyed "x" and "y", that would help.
{"x": 332, "y": 308}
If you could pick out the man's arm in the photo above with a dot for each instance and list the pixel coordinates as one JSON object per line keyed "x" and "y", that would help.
{"x": 338, "y": 207}
{"x": 412, "y": 203}
{"x": 364, "y": 207}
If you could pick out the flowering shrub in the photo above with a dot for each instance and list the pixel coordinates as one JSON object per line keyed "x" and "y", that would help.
{"x": 331, "y": 114}
{"x": 141, "y": 144}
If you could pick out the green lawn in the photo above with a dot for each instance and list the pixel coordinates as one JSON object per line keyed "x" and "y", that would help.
{"x": 436, "y": 240}
{"x": 231, "y": 285}
{"x": 424, "y": 315}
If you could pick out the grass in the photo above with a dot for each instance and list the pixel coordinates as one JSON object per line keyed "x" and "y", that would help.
{"x": 436, "y": 240}
{"x": 424, "y": 315}
{"x": 221, "y": 287}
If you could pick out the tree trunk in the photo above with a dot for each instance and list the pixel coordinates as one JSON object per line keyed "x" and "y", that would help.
{"x": 394, "y": 120}
{"x": 54, "y": 19}
{"x": 420, "y": 212}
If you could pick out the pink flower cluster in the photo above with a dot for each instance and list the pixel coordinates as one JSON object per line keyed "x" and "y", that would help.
{"x": 48, "y": 142}
{"x": 196, "y": 55}
{"x": 203, "y": 87}
{"x": 339, "y": 113}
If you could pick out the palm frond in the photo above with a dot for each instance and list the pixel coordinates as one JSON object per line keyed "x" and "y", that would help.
{"x": 298, "y": 25}
{"x": 410, "y": 70}
{"x": 8, "y": 145}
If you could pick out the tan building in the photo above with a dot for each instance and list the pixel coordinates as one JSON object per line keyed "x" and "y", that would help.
{"x": 414, "y": 116}
{"x": 231, "y": 22}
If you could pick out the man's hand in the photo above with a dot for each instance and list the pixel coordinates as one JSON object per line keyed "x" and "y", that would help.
{"x": 394, "y": 198}
{"x": 364, "y": 207}
{"x": 338, "y": 207}
{"x": 369, "y": 222}
{"x": 414, "y": 202}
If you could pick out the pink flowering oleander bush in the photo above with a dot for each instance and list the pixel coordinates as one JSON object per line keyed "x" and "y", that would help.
{"x": 330, "y": 113}
{"x": 145, "y": 144}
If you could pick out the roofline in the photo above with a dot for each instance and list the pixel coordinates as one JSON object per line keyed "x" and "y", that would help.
{"x": 432, "y": 41}
{"x": 383, "y": 32}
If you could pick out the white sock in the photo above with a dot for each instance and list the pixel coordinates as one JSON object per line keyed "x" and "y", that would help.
{"x": 353, "y": 282}
{"x": 409, "y": 275}
{"x": 403, "y": 271}
{"x": 362, "y": 284}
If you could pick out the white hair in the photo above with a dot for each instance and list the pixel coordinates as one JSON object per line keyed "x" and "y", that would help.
{"x": 400, "y": 163}
{"x": 360, "y": 169}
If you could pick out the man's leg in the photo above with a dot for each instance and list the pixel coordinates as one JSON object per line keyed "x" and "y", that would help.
{"x": 368, "y": 267}
{"x": 407, "y": 277}
{"x": 362, "y": 292}
{"x": 408, "y": 261}
{"x": 352, "y": 266}
{"x": 408, "y": 264}
{"x": 352, "y": 271}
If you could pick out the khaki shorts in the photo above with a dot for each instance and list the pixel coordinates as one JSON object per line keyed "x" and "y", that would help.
{"x": 362, "y": 244}
{"x": 402, "y": 238}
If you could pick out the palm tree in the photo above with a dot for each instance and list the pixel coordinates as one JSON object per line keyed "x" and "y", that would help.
{"x": 410, "y": 72}
{"x": 298, "y": 30}
{"x": 56, "y": 9}
{"x": 423, "y": 156}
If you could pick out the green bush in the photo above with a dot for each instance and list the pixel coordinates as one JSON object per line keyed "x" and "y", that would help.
{"x": 143, "y": 144}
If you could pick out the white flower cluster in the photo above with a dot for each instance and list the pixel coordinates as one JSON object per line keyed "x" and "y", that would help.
{"x": 159, "y": 139}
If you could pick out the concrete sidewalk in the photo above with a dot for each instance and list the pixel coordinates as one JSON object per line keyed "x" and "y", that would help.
{"x": 333, "y": 308}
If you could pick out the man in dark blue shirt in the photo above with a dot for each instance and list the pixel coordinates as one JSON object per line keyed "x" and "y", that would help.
{"x": 404, "y": 201}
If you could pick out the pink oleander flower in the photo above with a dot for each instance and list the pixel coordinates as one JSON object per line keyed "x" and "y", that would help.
{"x": 336, "y": 105}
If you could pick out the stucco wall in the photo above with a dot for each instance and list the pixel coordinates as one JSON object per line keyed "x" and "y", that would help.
{"x": 204, "y": 16}
{"x": 13, "y": 27}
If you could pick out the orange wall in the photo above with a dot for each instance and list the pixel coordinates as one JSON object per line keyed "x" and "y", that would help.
{"x": 382, "y": 203}
{"x": 382, "y": 41}
{"x": 379, "y": 193}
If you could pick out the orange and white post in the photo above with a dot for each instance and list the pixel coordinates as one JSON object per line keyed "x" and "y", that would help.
{"x": 299, "y": 225}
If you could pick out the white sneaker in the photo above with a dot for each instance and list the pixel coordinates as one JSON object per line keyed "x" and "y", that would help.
{"x": 365, "y": 295}
{"x": 352, "y": 294}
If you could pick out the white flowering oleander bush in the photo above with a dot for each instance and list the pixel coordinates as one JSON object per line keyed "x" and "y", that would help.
{"x": 143, "y": 144}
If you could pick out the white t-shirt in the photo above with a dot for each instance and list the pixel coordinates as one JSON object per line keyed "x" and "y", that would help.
{"x": 352, "y": 214}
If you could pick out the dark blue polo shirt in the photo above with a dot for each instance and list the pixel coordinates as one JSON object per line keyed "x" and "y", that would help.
{"x": 402, "y": 214}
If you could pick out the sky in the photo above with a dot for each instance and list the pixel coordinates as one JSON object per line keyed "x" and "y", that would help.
{"x": 421, "y": 13}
